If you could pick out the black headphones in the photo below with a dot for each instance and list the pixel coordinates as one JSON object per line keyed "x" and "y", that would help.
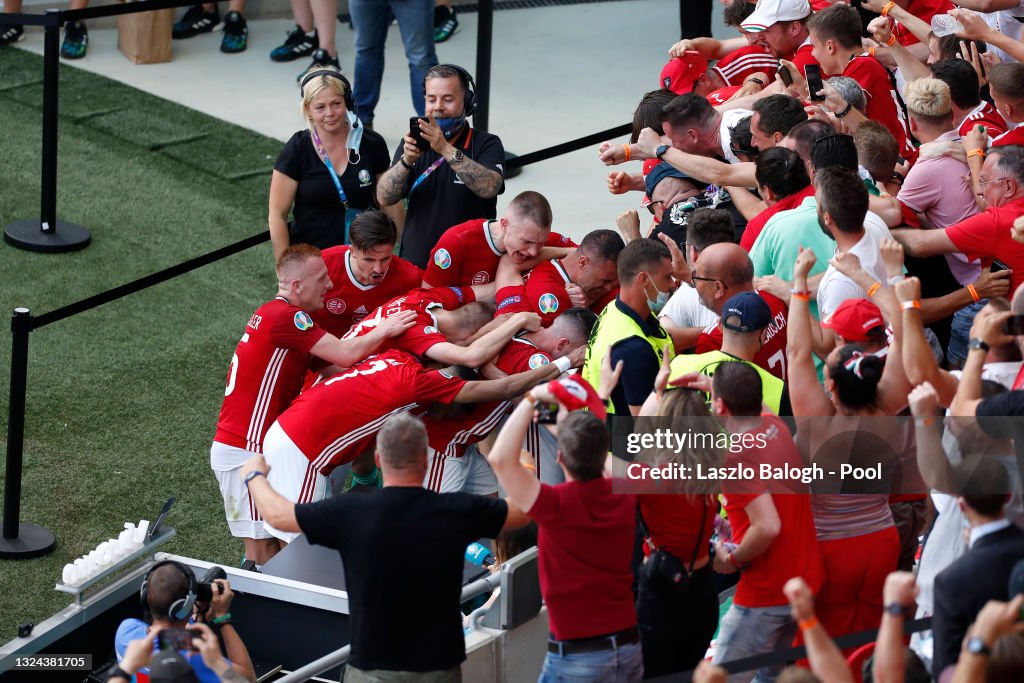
{"x": 180, "y": 609}
{"x": 350, "y": 102}
{"x": 468, "y": 85}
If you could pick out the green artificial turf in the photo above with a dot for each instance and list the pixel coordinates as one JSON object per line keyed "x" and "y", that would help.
{"x": 123, "y": 399}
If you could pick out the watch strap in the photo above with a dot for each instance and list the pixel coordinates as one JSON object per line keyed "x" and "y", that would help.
{"x": 896, "y": 609}
{"x": 252, "y": 475}
{"x": 976, "y": 343}
{"x": 977, "y": 646}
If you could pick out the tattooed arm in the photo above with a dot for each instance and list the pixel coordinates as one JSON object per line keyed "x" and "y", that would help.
{"x": 391, "y": 185}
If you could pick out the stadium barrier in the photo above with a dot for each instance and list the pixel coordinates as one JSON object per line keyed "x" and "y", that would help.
{"x": 48, "y": 234}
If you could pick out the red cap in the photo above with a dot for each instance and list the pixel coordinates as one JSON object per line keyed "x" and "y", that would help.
{"x": 575, "y": 393}
{"x": 854, "y": 318}
{"x": 681, "y": 73}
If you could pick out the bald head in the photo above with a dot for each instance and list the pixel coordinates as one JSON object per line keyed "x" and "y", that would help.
{"x": 729, "y": 263}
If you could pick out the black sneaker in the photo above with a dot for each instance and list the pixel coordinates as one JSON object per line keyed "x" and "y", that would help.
{"x": 10, "y": 34}
{"x": 236, "y": 33}
{"x": 196, "y": 21}
{"x": 297, "y": 44}
{"x": 320, "y": 58}
{"x": 445, "y": 23}
{"x": 76, "y": 40}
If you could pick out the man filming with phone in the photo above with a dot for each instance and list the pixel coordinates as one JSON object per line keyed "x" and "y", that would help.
{"x": 449, "y": 171}
{"x": 171, "y": 599}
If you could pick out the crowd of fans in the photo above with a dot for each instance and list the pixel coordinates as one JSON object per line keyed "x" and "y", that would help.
{"x": 837, "y": 237}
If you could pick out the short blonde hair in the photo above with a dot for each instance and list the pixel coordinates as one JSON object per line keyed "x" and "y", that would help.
{"x": 329, "y": 76}
{"x": 929, "y": 99}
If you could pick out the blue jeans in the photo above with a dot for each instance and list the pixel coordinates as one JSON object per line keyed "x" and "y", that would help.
{"x": 371, "y": 19}
{"x": 748, "y": 631}
{"x": 623, "y": 664}
{"x": 960, "y": 333}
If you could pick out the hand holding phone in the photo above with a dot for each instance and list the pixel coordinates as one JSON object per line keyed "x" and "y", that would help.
{"x": 175, "y": 639}
{"x": 1014, "y": 325}
{"x": 814, "y": 83}
{"x": 416, "y": 134}
{"x": 785, "y": 75}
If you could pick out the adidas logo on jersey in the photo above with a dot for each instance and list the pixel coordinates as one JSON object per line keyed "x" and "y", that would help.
{"x": 361, "y": 309}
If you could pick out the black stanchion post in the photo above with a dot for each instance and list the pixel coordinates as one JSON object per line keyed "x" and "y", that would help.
{"x": 484, "y": 42}
{"x": 21, "y": 540}
{"x": 48, "y": 234}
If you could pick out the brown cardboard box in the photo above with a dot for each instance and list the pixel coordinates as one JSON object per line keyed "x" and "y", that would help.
{"x": 145, "y": 37}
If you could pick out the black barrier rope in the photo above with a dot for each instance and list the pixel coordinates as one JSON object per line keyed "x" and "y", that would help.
{"x": 792, "y": 654}
{"x": 149, "y": 280}
{"x": 566, "y": 147}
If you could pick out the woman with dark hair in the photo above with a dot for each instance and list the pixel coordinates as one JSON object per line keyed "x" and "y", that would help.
{"x": 859, "y": 542}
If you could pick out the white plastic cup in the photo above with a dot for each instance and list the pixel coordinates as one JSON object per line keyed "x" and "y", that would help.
{"x": 945, "y": 25}
{"x": 67, "y": 577}
{"x": 140, "y": 532}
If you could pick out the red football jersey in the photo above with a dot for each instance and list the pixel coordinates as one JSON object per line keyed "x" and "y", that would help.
{"x": 348, "y": 301}
{"x": 543, "y": 293}
{"x": 804, "y": 56}
{"x": 1014, "y": 136}
{"x": 923, "y": 10}
{"x": 882, "y": 100}
{"x": 722, "y": 95}
{"x": 424, "y": 334}
{"x": 338, "y": 419}
{"x": 984, "y": 115}
{"x": 467, "y": 255}
{"x": 772, "y": 356}
{"x": 266, "y": 373}
{"x": 746, "y": 61}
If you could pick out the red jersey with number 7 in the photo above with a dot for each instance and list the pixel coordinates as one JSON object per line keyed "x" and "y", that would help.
{"x": 339, "y": 418}
{"x": 772, "y": 356}
{"x": 266, "y": 373}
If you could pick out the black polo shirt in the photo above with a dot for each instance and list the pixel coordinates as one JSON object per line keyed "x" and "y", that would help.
{"x": 442, "y": 199}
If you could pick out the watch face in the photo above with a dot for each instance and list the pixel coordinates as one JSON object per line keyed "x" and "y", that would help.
{"x": 977, "y": 646}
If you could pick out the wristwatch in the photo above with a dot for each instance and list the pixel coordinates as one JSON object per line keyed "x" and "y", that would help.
{"x": 977, "y": 646}
{"x": 252, "y": 475}
{"x": 660, "y": 152}
{"x": 896, "y": 609}
{"x": 976, "y": 343}
{"x": 456, "y": 157}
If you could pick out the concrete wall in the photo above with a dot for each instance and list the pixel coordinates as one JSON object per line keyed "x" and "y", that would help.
{"x": 514, "y": 656}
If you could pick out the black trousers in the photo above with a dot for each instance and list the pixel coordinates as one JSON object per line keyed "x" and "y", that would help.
{"x": 695, "y": 18}
{"x": 676, "y": 626}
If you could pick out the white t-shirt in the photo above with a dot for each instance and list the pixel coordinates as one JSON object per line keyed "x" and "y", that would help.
{"x": 835, "y": 288}
{"x": 1009, "y": 22}
{"x": 684, "y": 309}
{"x": 729, "y": 120}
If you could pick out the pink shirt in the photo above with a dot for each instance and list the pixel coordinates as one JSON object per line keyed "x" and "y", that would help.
{"x": 940, "y": 188}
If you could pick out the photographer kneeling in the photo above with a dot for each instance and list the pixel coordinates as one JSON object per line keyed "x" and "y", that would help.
{"x": 171, "y": 599}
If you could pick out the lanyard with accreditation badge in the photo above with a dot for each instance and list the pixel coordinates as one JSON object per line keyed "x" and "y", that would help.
{"x": 437, "y": 163}
{"x": 350, "y": 213}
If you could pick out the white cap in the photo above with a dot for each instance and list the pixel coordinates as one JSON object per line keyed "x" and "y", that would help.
{"x": 770, "y": 12}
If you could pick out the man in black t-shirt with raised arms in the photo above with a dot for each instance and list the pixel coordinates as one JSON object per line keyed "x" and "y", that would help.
{"x": 455, "y": 177}
{"x": 377, "y": 536}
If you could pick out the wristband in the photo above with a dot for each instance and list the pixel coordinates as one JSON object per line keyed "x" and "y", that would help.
{"x": 563, "y": 364}
{"x": 874, "y": 289}
{"x": 807, "y": 624}
{"x": 755, "y": 79}
{"x": 222, "y": 619}
{"x": 802, "y": 296}
{"x": 979, "y": 152}
{"x": 528, "y": 396}
{"x": 628, "y": 153}
{"x": 871, "y": 52}
{"x": 118, "y": 672}
{"x": 910, "y": 305}
{"x": 896, "y": 279}
{"x": 974, "y": 292}
{"x": 891, "y": 41}
{"x": 252, "y": 475}
{"x": 925, "y": 421}
{"x": 403, "y": 162}
{"x": 842, "y": 114}
{"x": 885, "y": 10}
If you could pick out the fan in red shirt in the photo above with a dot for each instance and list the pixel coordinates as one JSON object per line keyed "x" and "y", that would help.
{"x": 266, "y": 374}
{"x": 986, "y": 235}
{"x": 364, "y": 275}
{"x": 590, "y": 268}
{"x": 336, "y": 421}
{"x": 723, "y": 271}
{"x": 452, "y": 430}
{"x": 836, "y": 39}
{"x": 773, "y": 534}
{"x": 783, "y": 184}
{"x": 969, "y": 110}
{"x": 467, "y": 254}
{"x": 923, "y": 10}
{"x": 782, "y": 25}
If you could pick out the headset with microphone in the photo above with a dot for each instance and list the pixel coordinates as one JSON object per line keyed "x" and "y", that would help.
{"x": 468, "y": 85}
{"x": 180, "y": 609}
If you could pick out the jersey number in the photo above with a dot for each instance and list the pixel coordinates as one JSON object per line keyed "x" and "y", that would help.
{"x": 375, "y": 366}
{"x": 233, "y": 370}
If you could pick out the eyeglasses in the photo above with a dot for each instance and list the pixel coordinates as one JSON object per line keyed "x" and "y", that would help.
{"x": 983, "y": 183}
{"x": 694, "y": 278}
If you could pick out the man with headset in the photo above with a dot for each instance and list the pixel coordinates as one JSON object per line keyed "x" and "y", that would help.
{"x": 455, "y": 176}
{"x": 168, "y": 598}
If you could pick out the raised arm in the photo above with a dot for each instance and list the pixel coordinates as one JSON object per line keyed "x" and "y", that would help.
{"x": 273, "y": 507}
{"x": 805, "y": 393}
{"x": 908, "y": 63}
{"x": 520, "y": 484}
{"x": 485, "y": 347}
{"x": 347, "y": 352}
{"x": 707, "y": 169}
{"x": 827, "y": 661}
{"x": 391, "y": 186}
{"x": 976, "y": 28}
{"x": 988, "y": 327}
{"x": 918, "y": 360}
{"x": 480, "y": 180}
{"x": 890, "y": 652}
{"x": 511, "y": 386}
{"x": 932, "y": 462}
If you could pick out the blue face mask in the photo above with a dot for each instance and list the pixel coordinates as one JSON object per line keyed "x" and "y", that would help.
{"x": 450, "y": 126}
{"x": 659, "y": 302}
{"x": 355, "y": 133}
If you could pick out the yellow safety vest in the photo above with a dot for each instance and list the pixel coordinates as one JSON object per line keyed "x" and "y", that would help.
{"x": 707, "y": 363}
{"x": 614, "y": 326}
